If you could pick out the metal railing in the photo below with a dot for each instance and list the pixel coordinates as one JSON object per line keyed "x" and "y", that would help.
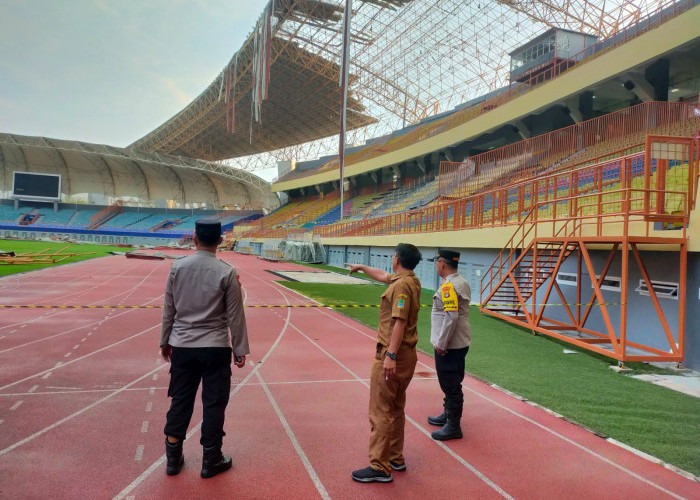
{"x": 510, "y": 204}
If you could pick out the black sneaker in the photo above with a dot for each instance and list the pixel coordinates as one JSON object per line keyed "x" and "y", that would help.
{"x": 438, "y": 420}
{"x": 397, "y": 466}
{"x": 370, "y": 475}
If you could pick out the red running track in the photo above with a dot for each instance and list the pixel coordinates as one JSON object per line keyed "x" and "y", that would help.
{"x": 83, "y": 402}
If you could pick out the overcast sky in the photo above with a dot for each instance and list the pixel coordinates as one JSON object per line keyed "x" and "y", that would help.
{"x": 110, "y": 71}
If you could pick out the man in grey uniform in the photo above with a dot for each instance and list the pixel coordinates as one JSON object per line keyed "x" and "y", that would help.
{"x": 450, "y": 335}
{"x": 203, "y": 301}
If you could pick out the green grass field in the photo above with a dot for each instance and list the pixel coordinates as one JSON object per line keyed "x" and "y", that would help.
{"x": 653, "y": 419}
{"x": 22, "y": 246}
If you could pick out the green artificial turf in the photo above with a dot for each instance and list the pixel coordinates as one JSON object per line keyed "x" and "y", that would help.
{"x": 653, "y": 419}
{"x": 23, "y": 246}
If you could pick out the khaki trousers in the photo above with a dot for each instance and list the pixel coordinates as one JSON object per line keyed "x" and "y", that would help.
{"x": 387, "y": 400}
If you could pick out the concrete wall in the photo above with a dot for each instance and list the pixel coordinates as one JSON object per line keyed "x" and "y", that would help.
{"x": 692, "y": 313}
{"x": 643, "y": 324}
{"x": 106, "y": 239}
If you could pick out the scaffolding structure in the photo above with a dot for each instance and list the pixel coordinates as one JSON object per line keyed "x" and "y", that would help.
{"x": 278, "y": 98}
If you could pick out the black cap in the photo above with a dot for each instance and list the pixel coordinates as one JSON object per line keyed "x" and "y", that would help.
{"x": 449, "y": 255}
{"x": 208, "y": 228}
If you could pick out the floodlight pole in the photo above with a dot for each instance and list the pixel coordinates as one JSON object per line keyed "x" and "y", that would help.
{"x": 344, "y": 73}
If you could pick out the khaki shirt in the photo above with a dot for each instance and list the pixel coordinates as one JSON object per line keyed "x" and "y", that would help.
{"x": 203, "y": 301}
{"x": 400, "y": 300}
{"x": 449, "y": 319}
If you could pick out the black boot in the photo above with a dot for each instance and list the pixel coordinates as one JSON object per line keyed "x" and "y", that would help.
{"x": 173, "y": 452}
{"x": 214, "y": 462}
{"x": 451, "y": 430}
{"x": 438, "y": 420}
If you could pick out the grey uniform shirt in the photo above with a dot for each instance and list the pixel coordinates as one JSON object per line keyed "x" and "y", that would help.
{"x": 449, "y": 318}
{"x": 203, "y": 301}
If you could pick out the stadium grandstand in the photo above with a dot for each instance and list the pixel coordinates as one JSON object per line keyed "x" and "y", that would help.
{"x": 555, "y": 148}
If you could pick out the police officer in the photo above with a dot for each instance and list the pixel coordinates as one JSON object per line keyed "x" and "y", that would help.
{"x": 394, "y": 362}
{"x": 450, "y": 335}
{"x": 203, "y": 301}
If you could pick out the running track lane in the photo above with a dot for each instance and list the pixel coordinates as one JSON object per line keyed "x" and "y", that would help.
{"x": 83, "y": 400}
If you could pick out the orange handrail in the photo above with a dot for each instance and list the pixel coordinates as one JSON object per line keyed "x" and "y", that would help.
{"x": 510, "y": 204}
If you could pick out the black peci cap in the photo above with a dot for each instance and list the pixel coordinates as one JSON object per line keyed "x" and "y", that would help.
{"x": 449, "y": 255}
{"x": 208, "y": 228}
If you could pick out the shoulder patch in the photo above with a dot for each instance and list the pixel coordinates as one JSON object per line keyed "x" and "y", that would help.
{"x": 449, "y": 297}
{"x": 401, "y": 300}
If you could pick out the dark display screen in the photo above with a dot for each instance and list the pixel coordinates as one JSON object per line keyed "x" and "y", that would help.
{"x": 37, "y": 185}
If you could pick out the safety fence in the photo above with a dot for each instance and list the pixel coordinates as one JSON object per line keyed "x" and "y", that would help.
{"x": 667, "y": 164}
{"x": 596, "y": 140}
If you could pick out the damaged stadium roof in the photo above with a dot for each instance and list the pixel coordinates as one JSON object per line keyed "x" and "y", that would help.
{"x": 303, "y": 102}
{"x": 410, "y": 59}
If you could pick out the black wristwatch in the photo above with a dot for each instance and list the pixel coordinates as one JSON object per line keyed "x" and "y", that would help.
{"x": 391, "y": 355}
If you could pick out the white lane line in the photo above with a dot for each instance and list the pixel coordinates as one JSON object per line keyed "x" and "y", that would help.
{"x": 76, "y": 346}
{"x": 577, "y": 445}
{"x": 68, "y": 363}
{"x": 295, "y": 442}
{"x": 161, "y": 460}
{"x": 68, "y": 390}
{"x": 127, "y": 311}
{"x": 144, "y": 426}
{"x": 13, "y": 331}
{"x": 461, "y": 460}
{"x": 58, "y": 364}
{"x": 533, "y": 422}
{"x": 155, "y": 377}
{"x": 149, "y": 406}
{"x": 364, "y": 382}
{"x": 83, "y": 339}
{"x": 67, "y": 355}
{"x": 16, "y": 405}
{"x": 22, "y": 326}
{"x": 33, "y": 388}
{"x": 139, "y": 453}
{"x": 151, "y": 391}
{"x": 46, "y": 375}
{"x": 75, "y": 414}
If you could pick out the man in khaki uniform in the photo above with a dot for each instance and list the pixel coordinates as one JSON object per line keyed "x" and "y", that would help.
{"x": 451, "y": 336}
{"x": 394, "y": 362}
{"x": 203, "y": 302}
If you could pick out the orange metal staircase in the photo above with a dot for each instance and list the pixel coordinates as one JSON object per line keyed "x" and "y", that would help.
{"x": 620, "y": 222}
{"x": 530, "y": 270}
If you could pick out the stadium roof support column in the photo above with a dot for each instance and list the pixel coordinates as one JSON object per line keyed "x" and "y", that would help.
{"x": 658, "y": 75}
{"x": 344, "y": 74}
{"x": 572, "y": 106}
{"x": 420, "y": 161}
{"x": 523, "y": 131}
{"x": 585, "y": 104}
{"x": 637, "y": 83}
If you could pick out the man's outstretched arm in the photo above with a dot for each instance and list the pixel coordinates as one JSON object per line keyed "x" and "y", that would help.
{"x": 373, "y": 272}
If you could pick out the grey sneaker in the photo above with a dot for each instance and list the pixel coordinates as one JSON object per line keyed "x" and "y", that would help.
{"x": 370, "y": 475}
{"x": 397, "y": 466}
